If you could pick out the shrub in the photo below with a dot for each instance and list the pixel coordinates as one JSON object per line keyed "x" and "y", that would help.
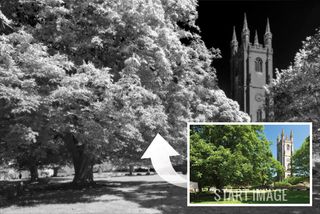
{"x": 282, "y": 184}
{"x": 295, "y": 180}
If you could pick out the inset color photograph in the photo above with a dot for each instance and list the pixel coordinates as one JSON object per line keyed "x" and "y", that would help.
{"x": 254, "y": 164}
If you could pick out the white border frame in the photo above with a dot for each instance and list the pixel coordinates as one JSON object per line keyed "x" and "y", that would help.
{"x": 249, "y": 205}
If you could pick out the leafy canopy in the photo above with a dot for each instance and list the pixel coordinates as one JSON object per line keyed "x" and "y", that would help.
{"x": 296, "y": 91}
{"x": 301, "y": 160}
{"x": 237, "y": 155}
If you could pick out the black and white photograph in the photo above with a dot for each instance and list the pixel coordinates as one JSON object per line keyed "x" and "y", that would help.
{"x": 114, "y": 106}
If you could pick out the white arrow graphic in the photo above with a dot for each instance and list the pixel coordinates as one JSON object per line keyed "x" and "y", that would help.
{"x": 160, "y": 151}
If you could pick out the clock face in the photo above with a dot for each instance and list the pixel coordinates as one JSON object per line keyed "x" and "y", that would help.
{"x": 259, "y": 97}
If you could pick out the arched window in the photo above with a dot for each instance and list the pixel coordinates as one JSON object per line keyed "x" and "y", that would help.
{"x": 259, "y": 115}
{"x": 258, "y": 64}
{"x": 288, "y": 147}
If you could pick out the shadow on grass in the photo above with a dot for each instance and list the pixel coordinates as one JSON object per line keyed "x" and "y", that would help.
{"x": 147, "y": 194}
{"x": 156, "y": 195}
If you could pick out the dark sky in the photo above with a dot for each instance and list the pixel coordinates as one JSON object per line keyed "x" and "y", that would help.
{"x": 291, "y": 21}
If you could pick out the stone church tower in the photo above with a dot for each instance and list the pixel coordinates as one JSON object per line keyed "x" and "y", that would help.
{"x": 285, "y": 152}
{"x": 251, "y": 68}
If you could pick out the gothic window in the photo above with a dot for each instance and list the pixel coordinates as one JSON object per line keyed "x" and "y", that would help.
{"x": 259, "y": 115}
{"x": 258, "y": 64}
{"x": 288, "y": 147}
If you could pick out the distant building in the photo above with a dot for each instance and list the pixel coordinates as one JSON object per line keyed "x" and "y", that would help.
{"x": 251, "y": 68}
{"x": 285, "y": 152}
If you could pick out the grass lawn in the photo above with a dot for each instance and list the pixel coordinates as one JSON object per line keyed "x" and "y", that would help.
{"x": 291, "y": 197}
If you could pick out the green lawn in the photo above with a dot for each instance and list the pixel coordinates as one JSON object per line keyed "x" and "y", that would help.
{"x": 292, "y": 197}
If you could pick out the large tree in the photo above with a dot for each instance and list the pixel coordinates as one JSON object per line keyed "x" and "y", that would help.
{"x": 237, "y": 155}
{"x": 28, "y": 74}
{"x": 140, "y": 67}
{"x": 296, "y": 91}
{"x": 301, "y": 159}
{"x": 98, "y": 119}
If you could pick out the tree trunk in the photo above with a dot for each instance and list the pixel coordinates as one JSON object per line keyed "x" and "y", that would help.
{"x": 200, "y": 187}
{"x": 55, "y": 172}
{"x": 100, "y": 170}
{"x": 34, "y": 173}
{"x": 83, "y": 171}
{"x": 83, "y": 164}
{"x": 130, "y": 169}
{"x": 220, "y": 188}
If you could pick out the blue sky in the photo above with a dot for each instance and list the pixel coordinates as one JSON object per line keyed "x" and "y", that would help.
{"x": 300, "y": 132}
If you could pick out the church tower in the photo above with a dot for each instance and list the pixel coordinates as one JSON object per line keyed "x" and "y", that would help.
{"x": 285, "y": 152}
{"x": 251, "y": 67}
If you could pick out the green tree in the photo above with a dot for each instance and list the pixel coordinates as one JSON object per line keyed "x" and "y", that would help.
{"x": 301, "y": 160}
{"x": 231, "y": 155}
{"x": 204, "y": 159}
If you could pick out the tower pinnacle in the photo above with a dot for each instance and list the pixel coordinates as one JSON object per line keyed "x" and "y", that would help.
{"x": 268, "y": 36}
{"x": 256, "y": 40}
{"x": 234, "y": 42}
{"x": 245, "y": 23}
{"x": 245, "y": 33}
{"x": 268, "y": 27}
{"x": 234, "y": 36}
